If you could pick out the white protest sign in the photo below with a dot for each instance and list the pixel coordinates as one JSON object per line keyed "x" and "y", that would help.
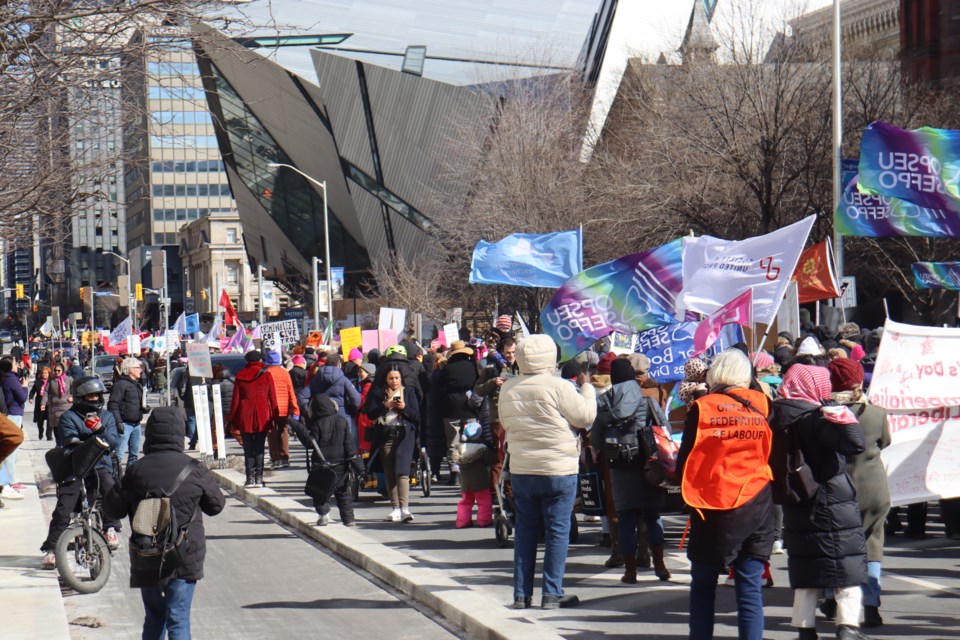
{"x": 201, "y": 408}
{"x": 452, "y": 332}
{"x": 622, "y": 343}
{"x": 914, "y": 379}
{"x": 275, "y": 335}
{"x": 198, "y": 359}
{"x": 133, "y": 344}
{"x": 392, "y": 320}
{"x": 172, "y": 340}
{"x": 219, "y": 427}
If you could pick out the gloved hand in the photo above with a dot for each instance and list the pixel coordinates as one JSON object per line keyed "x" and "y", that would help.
{"x": 357, "y": 465}
{"x": 120, "y": 428}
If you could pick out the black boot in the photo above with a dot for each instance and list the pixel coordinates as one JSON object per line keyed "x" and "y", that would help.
{"x": 851, "y": 633}
{"x": 250, "y": 482}
{"x": 871, "y": 617}
{"x": 808, "y": 634}
{"x": 829, "y": 608}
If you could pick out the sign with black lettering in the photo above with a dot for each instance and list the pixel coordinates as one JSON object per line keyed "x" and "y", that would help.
{"x": 276, "y": 335}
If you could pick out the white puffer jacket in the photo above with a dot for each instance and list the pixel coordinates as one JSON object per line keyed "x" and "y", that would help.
{"x": 539, "y": 411}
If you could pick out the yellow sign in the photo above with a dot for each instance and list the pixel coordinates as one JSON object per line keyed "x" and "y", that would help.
{"x": 350, "y": 338}
{"x": 86, "y": 339}
{"x": 139, "y": 292}
{"x": 20, "y": 293}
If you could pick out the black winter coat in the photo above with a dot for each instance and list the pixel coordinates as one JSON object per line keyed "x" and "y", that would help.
{"x": 630, "y": 490}
{"x": 158, "y": 469}
{"x": 376, "y": 408}
{"x": 458, "y": 377}
{"x": 126, "y": 401}
{"x": 824, "y": 539}
{"x": 408, "y": 374}
{"x": 332, "y": 433}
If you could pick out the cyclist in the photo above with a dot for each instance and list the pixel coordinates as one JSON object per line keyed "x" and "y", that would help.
{"x": 85, "y": 419}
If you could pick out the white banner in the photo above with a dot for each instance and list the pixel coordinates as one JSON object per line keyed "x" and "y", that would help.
{"x": 914, "y": 379}
{"x": 275, "y": 335}
{"x": 201, "y": 407}
{"x": 765, "y": 263}
{"x": 220, "y": 428}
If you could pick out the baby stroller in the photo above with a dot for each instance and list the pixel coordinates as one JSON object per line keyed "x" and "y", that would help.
{"x": 504, "y": 519}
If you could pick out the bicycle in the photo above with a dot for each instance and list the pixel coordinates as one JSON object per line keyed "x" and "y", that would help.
{"x": 83, "y": 556}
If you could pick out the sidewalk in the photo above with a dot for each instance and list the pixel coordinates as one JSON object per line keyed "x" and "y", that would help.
{"x": 462, "y": 574}
{"x": 32, "y": 601}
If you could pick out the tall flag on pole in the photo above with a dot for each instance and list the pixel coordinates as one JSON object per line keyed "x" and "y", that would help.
{"x": 528, "y": 260}
{"x": 737, "y": 311}
{"x": 815, "y": 275}
{"x": 936, "y": 275}
{"x": 629, "y": 294}
{"x": 230, "y": 316}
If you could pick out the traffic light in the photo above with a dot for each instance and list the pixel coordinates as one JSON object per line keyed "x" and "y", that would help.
{"x": 203, "y": 294}
{"x": 139, "y": 292}
{"x": 36, "y": 308}
{"x": 20, "y": 293}
{"x": 83, "y": 293}
{"x": 189, "y": 293}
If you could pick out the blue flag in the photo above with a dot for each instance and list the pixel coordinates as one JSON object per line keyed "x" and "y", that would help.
{"x": 191, "y": 323}
{"x": 528, "y": 260}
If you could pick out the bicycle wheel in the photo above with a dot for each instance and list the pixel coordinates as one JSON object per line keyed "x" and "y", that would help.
{"x": 425, "y": 481}
{"x": 84, "y": 570}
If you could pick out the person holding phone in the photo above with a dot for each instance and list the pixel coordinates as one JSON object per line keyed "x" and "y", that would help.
{"x": 396, "y": 411}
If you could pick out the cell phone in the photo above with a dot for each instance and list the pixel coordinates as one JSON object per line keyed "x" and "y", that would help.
{"x": 91, "y": 416}
{"x": 396, "y": 398}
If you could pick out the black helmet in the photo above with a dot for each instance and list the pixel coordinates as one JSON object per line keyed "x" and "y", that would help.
{"x": 86, "y": 385}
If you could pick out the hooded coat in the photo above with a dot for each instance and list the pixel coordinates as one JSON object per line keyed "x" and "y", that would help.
{"x": 539, "y": 411}
{"x": 155, "y": 472}
{"x": 330, "y": 381}
{"x": 72, "y": 426}
{"x": 630, "y": 489}
{"x": 458, "y": 378}
{"x": 253, "y": 406}
{"x": 332, "y": 433}
{"x": 824, "y": 539}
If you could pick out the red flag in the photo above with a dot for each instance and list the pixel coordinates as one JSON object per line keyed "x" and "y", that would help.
{"x": 814, "y": 275}
{"x": 229, "y": 315}
{"x": 737, "y": 311}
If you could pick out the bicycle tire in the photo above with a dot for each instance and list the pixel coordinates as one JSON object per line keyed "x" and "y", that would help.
{"x": 99, "y": 575}
{"x": 425, "y": 482}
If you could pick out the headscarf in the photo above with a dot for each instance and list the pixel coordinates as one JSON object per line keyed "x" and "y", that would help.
{"x": 694, "y": 376}
{"x": 764, "y": 360}
{"x": 845, "y": 374}
{"x": 807, "y": 383}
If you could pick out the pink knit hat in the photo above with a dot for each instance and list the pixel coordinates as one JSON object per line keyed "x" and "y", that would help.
{"x": 355, "y": 354}
{"x": 298, "y": 360}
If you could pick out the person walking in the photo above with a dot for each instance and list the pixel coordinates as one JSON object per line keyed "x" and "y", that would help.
{"x": 127, "y": 406}
{"x": 395, "y": 410}
{"x": 253, "y": 409}
{"x": 824, "y": 538}
{"x": 278, "y": 438}
{"x": 38, "y": 394}
{"x": 58, "y": 399}
{"x": 869, "y": 477}
{"x": 726, "y": 479}
{"x": 633, "y": 497}
{"x": 167, "y": 599}
{"x": 539, "y": 412}
{"x": 457, "y": 382}
{"x": 15, "y": 396}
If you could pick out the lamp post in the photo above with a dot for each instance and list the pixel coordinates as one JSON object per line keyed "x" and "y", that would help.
{"x": 131, "y": 301}
{"x": 260, "y": 271}
{"x": 326, "y": 242}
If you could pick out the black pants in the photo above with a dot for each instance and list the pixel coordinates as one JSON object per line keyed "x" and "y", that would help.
{"x": 40, "y": 417}
{"x": 342, "y": 494}
{"x": 253, "y": 452}
{"x": 68, "y": 502}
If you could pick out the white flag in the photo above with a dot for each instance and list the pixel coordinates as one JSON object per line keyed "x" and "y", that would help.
{"x": 120, "y": 334}
{"x": 765, "y": 263}
{"x": 213, "y": 336}
{"x": 181, "y": 324}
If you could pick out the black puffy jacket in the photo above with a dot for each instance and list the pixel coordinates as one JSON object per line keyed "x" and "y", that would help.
{"x": 824, "y": 539}
{"x": 126, "y": 401}
{"x": 162, "y": 462}
{"x": 458, "y": 378}
{"x": 332, "y": 433}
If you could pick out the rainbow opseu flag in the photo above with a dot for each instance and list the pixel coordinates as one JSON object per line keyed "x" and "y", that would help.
{"x": 629, "y": 294}
{"x": 936, "y": 275}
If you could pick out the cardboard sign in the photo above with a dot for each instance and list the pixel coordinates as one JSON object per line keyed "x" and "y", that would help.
{"x": 276, "y": 335}
{"x": 392, "y": 320}
{"x": 198, "y": 358}
{"x": 351, "y": 338}
{"x": 451, "y": 333}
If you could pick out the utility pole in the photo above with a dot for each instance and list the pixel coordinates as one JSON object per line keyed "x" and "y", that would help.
{"x": 260, "y": 271}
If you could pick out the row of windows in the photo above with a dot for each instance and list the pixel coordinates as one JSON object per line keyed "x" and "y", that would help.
{"x": 110, "y": 146}
{"x": 166, "y": 68}
{"x": 183, "y": 142}
{"x": 190, "y": 190}
{"x": 200, "y": 166}
{"x": 176, "y": 93}
{"x": 181, "y": 117}
{"x": 184, "y": 214}
{"x": 164, "y": 238}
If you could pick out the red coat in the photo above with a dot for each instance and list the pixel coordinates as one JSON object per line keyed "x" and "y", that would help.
{"x": 363, "y": 420}
{"x": 254, "y": 404}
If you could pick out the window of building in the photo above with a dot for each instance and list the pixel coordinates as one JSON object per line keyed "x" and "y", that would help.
{"x": 232, "y": 235}
{"x": 233, "y": 271}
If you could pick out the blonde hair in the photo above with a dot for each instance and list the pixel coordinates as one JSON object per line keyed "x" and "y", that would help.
{"x": 730, "y": 369}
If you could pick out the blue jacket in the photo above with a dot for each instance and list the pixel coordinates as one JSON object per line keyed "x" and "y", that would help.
{"x": 72, "y": 426}
{"x": 14, "y": 394}
{"x": 332, "y": 381}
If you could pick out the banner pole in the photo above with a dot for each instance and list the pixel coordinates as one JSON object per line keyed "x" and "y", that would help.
{"x": 886, "y": 309}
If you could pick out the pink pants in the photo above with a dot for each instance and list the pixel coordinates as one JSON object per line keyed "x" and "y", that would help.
{"x": 484, "y": 509}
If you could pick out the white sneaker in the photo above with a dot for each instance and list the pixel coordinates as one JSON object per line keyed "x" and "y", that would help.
{"x": 406, "y": 516}
{"x": 10, "y": 493}
{"x": 394, "y": 516}
{"x": 113, "y": 540}
{"x": 777, "y": 548}
{"x": 323, "y": 521}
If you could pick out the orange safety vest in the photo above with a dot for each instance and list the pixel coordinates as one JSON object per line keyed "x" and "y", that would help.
{"x": 729, "y": 462}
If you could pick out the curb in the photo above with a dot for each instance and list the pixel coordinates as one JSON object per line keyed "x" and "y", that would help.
{"x": 479, "y": 615}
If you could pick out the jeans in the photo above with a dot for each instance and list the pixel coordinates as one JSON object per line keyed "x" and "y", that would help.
{"x": 192, "y": 429}
{"x": 703, "y": 591}
{"x": 131, "y": 437}
{"x": 168, "y": 610}
{"x": 542, "y": 502}
{"x": 627, "y": 528}
{"x": 871, "y": 590}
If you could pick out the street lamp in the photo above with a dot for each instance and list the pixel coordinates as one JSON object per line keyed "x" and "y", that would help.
{"x": 131, "y": 301}
{"x": 326, "y": 242}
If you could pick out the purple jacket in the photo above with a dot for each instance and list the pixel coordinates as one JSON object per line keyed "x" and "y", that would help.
{"x": 14, "y": 394}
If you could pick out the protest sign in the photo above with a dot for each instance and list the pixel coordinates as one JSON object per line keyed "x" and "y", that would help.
{"x": 351, "y": 338}
{"x": 914, "y": 379}
{"x": 315, "y": 339}
{"x": 670, "y": 346}
{"x": 275, "y": 335}
{"x": 392, "y": 320}
{"x": 201, "y": 406}
{"x": 621, "y": 343}
{"x": 133, "y": 344}
{"x": 451, "y": 333}
{"x": 198, "y": 358}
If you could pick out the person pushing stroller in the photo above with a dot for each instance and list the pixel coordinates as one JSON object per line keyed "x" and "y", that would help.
{"x": 333, "y": 435}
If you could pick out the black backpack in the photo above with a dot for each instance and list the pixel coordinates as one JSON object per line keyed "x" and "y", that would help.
{"x": 158, "y": 544}
{"x": 621, "y": 443}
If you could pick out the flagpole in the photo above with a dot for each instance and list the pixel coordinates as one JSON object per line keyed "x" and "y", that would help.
{"x": 837, "y": 132}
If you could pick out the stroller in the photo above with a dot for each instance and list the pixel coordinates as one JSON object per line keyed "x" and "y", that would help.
{"x": 421, "y": 474}
{"x": 504, "y": 519}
